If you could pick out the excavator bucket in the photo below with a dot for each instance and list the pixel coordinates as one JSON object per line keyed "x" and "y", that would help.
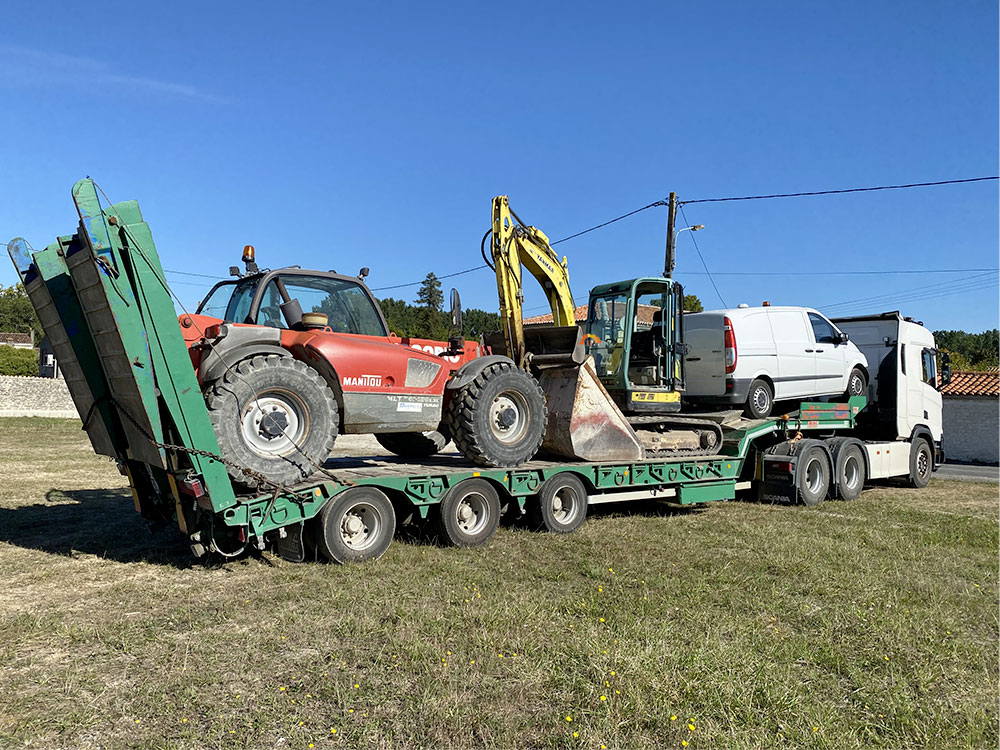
{"x": 584, "y": 423}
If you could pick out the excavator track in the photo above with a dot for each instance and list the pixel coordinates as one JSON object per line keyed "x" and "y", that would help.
{"x": 665, "y": 424}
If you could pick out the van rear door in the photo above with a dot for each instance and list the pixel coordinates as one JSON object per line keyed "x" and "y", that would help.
{"x": 705, "y": 360}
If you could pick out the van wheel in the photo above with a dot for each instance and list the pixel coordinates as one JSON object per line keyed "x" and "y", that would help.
{"x": 856, "y": 384}
{"x": 760, "y": 400}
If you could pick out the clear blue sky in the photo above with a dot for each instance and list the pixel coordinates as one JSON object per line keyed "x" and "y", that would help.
{"x": 336, "y": 135}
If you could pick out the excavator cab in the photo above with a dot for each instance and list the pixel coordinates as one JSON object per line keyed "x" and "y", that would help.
{"x": 632, "y": 331}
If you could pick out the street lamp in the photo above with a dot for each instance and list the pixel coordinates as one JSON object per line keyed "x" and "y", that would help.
{"x": 692, "y": 228}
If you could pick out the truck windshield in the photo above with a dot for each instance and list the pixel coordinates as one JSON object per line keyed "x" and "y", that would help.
{"x": 239, "y": 304}
{"x": 347, "y": 306}
{"x": 606, "y": 332}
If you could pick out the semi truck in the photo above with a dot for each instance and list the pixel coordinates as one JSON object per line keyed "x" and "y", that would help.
{"x": 104, "y": 302}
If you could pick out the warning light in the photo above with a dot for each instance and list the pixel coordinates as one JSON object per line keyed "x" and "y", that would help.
{"x": 248, "y": 254}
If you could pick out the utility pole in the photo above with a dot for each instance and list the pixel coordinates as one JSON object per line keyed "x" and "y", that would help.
{"x": 668, "y": 262}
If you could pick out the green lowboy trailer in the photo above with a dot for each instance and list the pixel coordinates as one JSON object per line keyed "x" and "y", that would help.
{"x": 108, "y": 312}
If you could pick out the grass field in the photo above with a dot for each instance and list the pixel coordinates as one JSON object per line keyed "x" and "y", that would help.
{"x": 736, "y": 625}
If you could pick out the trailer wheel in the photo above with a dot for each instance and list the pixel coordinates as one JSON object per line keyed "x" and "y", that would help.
{"x": 469, "y": 513}
{"x": 498, "y": 419}
{"x": 760, "y": 400}
{"x": 414, "y": 444}
{"x": 274, "y": 415}
{"x": 356, "y": 525}
{"x": 921, "y": 463}
{"x": 561, "y": 506}
{"x": 850, "y": 472}
{"x": 813, "y": 475}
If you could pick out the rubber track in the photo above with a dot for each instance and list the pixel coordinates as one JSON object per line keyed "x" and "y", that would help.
{"x": 683, "y": 423}
{"x": 460, "y": 422}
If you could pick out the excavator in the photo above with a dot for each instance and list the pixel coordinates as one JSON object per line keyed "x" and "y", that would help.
{"x": 613, "y": 387}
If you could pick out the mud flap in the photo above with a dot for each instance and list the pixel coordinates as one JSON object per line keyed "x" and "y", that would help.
{"x": 583, "y": 421}
{"x": 291, "y": 546}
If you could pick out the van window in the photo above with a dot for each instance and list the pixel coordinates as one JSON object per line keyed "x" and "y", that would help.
{"x": 928, "y": 367}
{"x": 788, "y": 325}
{"x": 823, "y": 329}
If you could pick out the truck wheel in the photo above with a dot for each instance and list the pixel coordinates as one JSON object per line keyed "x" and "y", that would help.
{"x": 468, "y": 515}
{"x": 413, "y": 444}
{"x": 356, "y": 525}
{"x": 856, "y": 384}
{"x": 760, "y": 400}
{"x": 561, "y": 506}
{"x": 813, "y": 475}
{"x": 921, "y": 463}
{"x": 274, "y": 415}
{"x": 498, "y": 419}
{"x": 850, "y": 472}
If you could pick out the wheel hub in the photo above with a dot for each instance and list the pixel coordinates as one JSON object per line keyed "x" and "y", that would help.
{"x": 273, "y": 424}
{"x": 508, "y": 417}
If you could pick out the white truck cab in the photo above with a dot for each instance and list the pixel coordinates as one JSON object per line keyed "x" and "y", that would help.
{"x": 904, "y": 400}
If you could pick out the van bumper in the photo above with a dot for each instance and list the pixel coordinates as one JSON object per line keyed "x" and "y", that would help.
{"x": 736, "y": 393}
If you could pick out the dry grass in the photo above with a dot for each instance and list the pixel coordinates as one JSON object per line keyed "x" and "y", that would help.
{"x": 872, "y": 623}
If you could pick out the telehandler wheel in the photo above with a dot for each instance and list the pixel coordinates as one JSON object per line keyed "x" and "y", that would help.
{"x": 414, "y": 444}
{"x": 921, "y": 463}
{"x": 499, "y": 418}
{"x": 469, "y": 513}
{"x": 561, "y": 506}
{"x": 356, "y": 525}
{"x": 274, "y": 415}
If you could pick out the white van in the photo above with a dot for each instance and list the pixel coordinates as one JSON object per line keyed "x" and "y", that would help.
{"x": 755, "y": 356}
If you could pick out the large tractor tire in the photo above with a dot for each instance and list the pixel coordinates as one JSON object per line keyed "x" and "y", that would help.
{"x": 274, "y": 415}
{"x": 499, "y": 418}
{"x": 414, "y": 444}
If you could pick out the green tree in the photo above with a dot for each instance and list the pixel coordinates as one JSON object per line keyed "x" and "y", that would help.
{"x": 15, "y": 361}
{"x": 979, "y": 350}
{"x": 429, "y": 296}
{"x": 433, "y": 324}
{"x": 16, "y": 313}
{"x": 692, "y": 303}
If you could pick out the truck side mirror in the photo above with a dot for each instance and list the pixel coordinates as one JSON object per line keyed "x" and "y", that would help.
{"x": 945, "y": 369}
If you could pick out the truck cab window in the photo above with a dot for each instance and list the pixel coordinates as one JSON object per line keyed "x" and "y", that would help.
{"x": 928, "y": 367}
{"x": 823, "y": 329}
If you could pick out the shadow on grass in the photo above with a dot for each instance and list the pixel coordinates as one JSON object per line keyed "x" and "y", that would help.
{"x": 93, "y": 522}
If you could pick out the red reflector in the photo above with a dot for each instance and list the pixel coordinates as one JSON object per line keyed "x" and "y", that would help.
{"x": 782, "y": 466}
{"x": 212, "y": 332}
{"x": 192, "y": 487}
{"x": 241, "y": 534}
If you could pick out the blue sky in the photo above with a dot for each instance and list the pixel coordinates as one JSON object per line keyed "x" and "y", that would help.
{"x": 339, "y": 135}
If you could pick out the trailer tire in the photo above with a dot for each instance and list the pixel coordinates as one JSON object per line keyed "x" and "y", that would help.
{"x": 760, "y": 400}
{"x": 921, "y": 463}
{"x": 284, "y": 448}
{"x": 356, "y": 525}
{"x": 813, "y": 475}
{"x": 469, "y": 514}
{"x": 850, "y": 471}
{"x": 499, "y": 418}
{"x": 560, "y": 506}
{"x": 414, "y": 444}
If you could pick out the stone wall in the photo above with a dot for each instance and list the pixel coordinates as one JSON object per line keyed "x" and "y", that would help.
{"x": 971, "y": 429}
{"x": 35, "y": 397}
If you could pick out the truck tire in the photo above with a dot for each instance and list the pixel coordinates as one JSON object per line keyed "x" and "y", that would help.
{"x": 921, "y": 463}
{"x": 760, "y": 400}
{"x": 850, "y": 472}
{"x": 499, "y": 418}
{"x": 813, "y": 475}
{"x": 857, "y": 385}
{"x": 469, "y": 514}
{"x": 274, "y": 415}
{"x": 356, "y": 525}
{"x": 561, "y": 506}
{"x": 414, "y": 444}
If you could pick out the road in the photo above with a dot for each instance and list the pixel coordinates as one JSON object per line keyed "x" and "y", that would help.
{"x": 969, "y": 472}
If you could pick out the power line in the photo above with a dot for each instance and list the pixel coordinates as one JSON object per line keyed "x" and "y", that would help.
{"x": 703, "y": 263}
{"x": 840, "y": 192}
{"x": 925, "y": 288}
{"x": 192, "y": 273}
{"x": 917, "y": 294}
{"x": 415, "y": 283}
{"x": 612, "y": 221}
{"x": 916, "y": 298}
{"x": 824, "y": 272}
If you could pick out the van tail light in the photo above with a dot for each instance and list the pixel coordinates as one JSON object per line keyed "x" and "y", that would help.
{"x": 729, "y": 340}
